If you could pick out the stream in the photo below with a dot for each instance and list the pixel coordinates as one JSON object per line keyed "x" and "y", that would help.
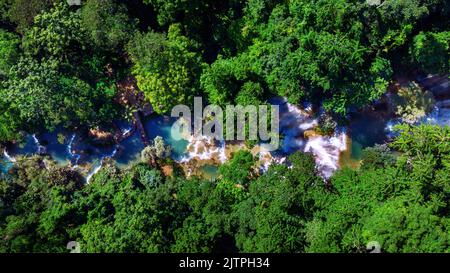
{"x": 343, "y": 148}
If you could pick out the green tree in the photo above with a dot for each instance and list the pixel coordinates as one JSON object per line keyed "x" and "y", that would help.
{"x": 215, "y": 24}
{"x": 403, "y": 206}
{"x": 230, "y": 81}
{"x": 128, "y": 212}
{"x": 279, "y": 204}
{"x": 166, "y": 67}
{"x": 240, "y": 169}
{"x": 378, "y": 156}
{"x": 107, "y": 23}
{"x": 37, "y": 94}
{"x": 39, "y": 216}
{"x": 9, "y": 51}
{"x": 209, "y": 226}
{"x": 431, "y": 51}
{"x": 304, "y": 50}
{"x": 9, "y": 55}
{"x": 57, "y": 33}
{"x": 9, "y": 126}
{"x": 422, "y": 230}
{"x": 23, "y": 12}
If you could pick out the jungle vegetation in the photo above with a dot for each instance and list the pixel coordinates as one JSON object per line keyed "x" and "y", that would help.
{"x": 60, "y": 64}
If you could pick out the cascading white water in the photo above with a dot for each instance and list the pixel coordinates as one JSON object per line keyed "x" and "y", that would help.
{"x": 126, "y": 131}
{"x": 94, "y": 171}
{"x": 40, "y": 148}
{"x": 295, "y": 123}
{"x": 204, "y": 148}
{"x": 8, "y": 157}
{"x": 97, "y": 168}
{"x": 326, "y": 151}
{"x": 75, "y": 157}
{"x": 267, "y": 159}
{"x": 222, "y": 154}
{"x": 440, "y": 114}
{"x": 114, "y": 152}
{"x": 298, "y": 134}
{"x": 69, "y": 146}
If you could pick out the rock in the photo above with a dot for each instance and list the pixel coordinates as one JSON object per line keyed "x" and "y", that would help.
{"x": 147, "y": 109}
{"x": 101, "y": 136}
{"x": 438, "y": 85}
{"x": 167, "y": 170}
{"x": 310, "y": 133}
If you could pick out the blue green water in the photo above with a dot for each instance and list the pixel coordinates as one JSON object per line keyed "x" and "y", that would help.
{"x": 210, "y": 172}
{"x": 366, "y": 131}
{"x": 68, "y": 147}
{"x": 5, "y": 165}
{"x": 161, "y": 126}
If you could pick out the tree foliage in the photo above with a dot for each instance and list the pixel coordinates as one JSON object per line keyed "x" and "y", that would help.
{"x": 37, "y": 210}
{"x": 40, "y": 96}
{"x": 56, "y": 33}
{"x": 431, "y": 51}
{"x": 166, "y": 67}
{"x": 107, "y": 23}
{"x": 9, "y": 51}
{"x": 403, "y": 206}
{"x": 23, "y": 12}
{"x": 73, "y": 66}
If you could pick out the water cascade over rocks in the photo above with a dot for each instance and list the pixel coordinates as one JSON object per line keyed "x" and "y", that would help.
{"x": 297, "y": 127}
{"x": 298, "y": 132}
{"x": 8, "y": 157}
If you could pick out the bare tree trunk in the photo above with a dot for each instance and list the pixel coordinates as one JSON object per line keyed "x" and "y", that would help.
{"x": 140, "y": 127}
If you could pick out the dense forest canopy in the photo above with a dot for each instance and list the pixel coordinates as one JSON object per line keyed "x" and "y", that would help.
{"x": 60, "y": 66}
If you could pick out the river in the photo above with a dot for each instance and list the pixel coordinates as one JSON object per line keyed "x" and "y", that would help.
{"x": 297, "y": 124}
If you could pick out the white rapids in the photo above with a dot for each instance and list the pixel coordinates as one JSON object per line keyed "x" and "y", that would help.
{"x": 440, "y": 115}
{"x": 8, "y": 157}
{"x": 99, "y": 166}
{"x": 205, "y": 148}
{"x": 297, "y": 127}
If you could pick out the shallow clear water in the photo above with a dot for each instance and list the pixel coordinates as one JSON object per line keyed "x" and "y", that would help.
{"x": 5, "y": 165}
{"x": 364, "y": 130}
{"x": 210, "y": 172}
{"x": 68, "y": 147}
{"x": 161, "y": 126}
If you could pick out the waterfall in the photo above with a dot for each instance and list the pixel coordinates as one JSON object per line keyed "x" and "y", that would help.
{"x": 94, "y": 171}
{"x": 74, "y": 156}
{"x": 222, "y": 155}
{"x": 205, "y": 149}
{"x": 267, "y": 159}
{"x": 440, "y": 114}
{"x": 40, "y": 148}
{"x": 126, "y": 131}
{"x": 99, "y": 166}
{"x": 326, "y": 151}
{"x": 297, "y": 127}
{"x": 8, "y": 157}
{"x": 69, "y": 146}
